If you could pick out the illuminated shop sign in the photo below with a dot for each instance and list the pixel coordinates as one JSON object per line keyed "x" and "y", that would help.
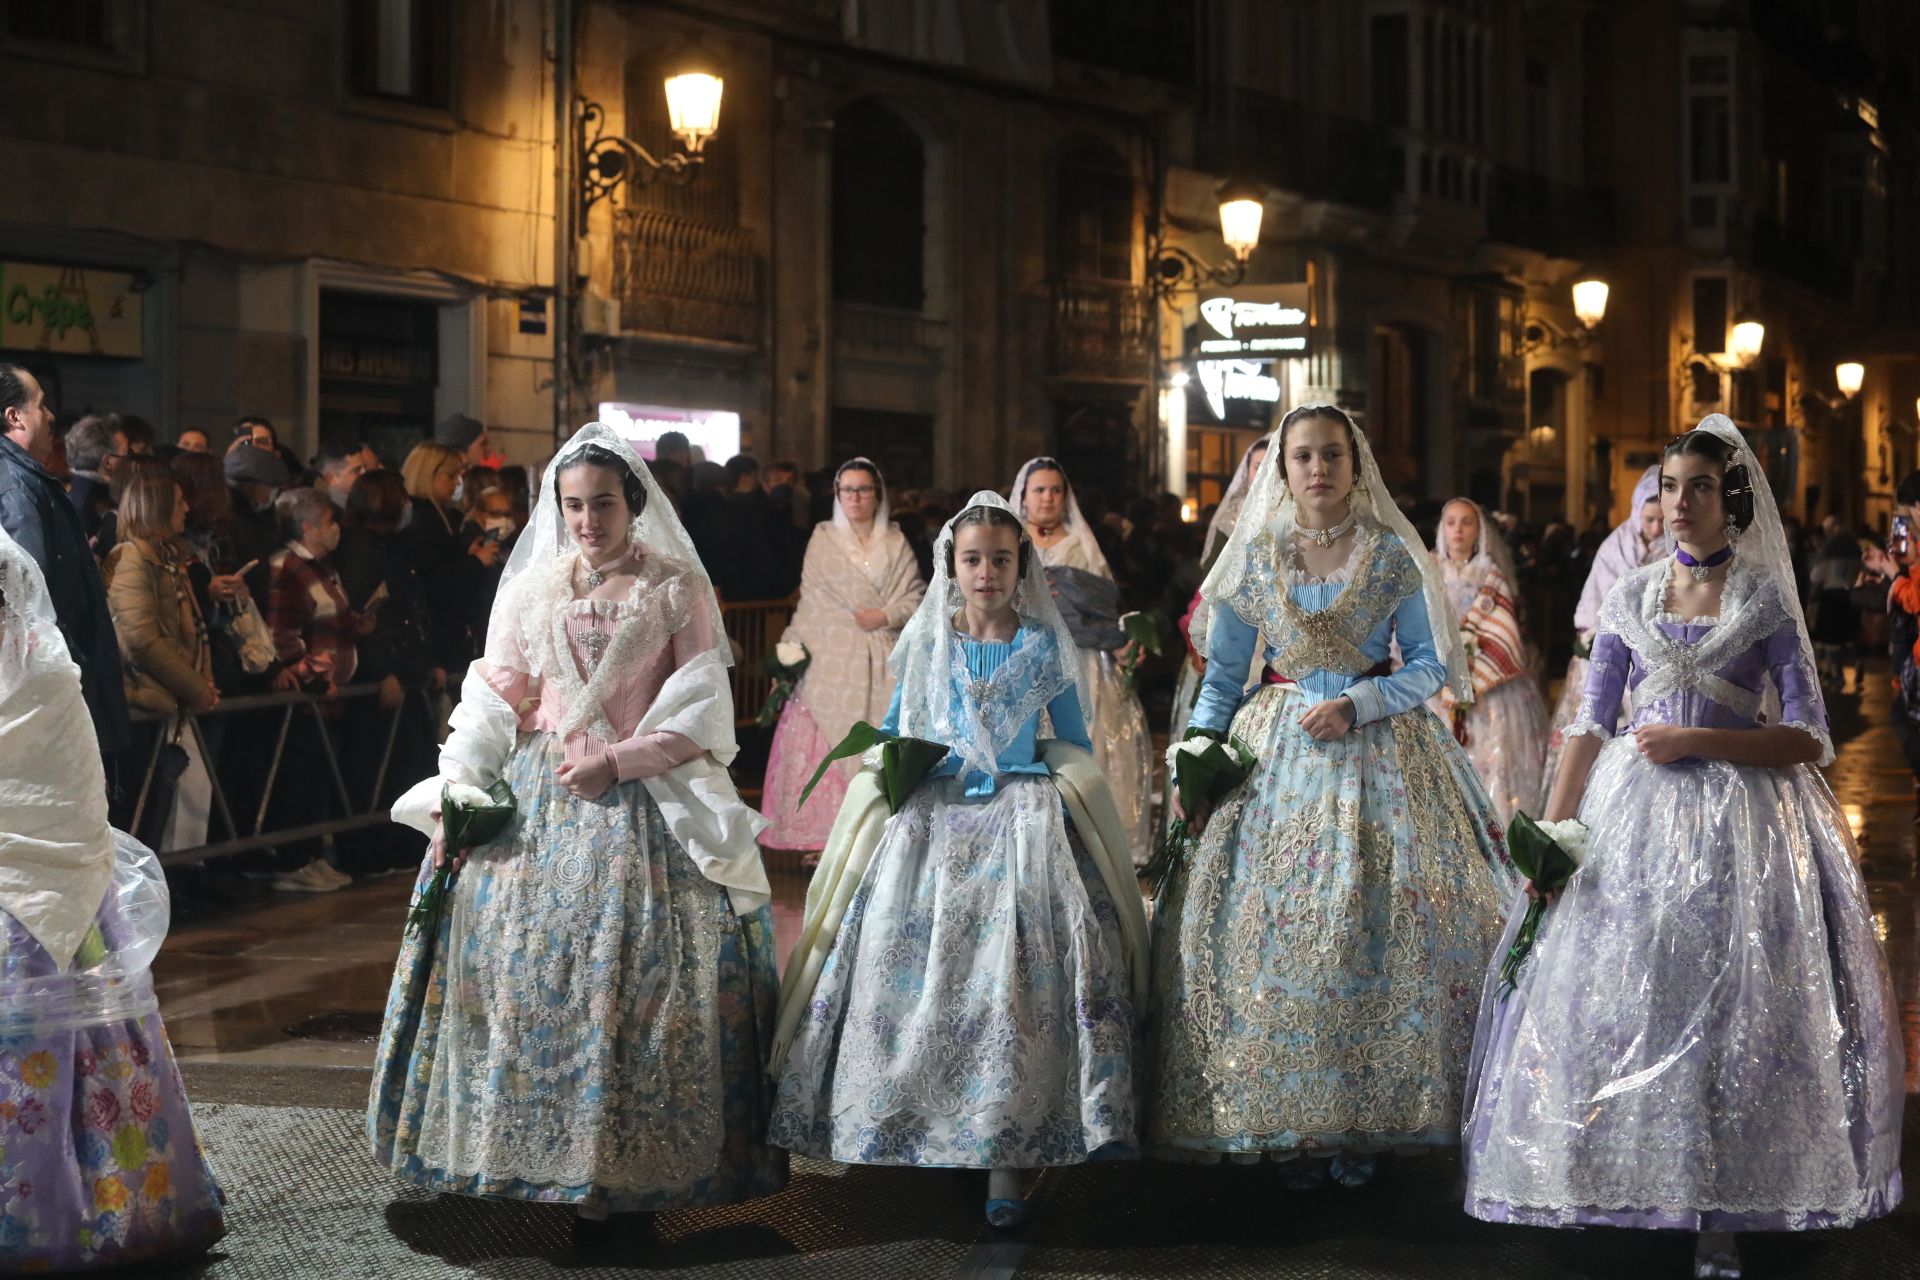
{"x": 715, "y": 433}
{"x": 1232, "y": 350}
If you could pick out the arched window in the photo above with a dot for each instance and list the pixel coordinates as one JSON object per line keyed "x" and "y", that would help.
{"x": 879, "y": 208}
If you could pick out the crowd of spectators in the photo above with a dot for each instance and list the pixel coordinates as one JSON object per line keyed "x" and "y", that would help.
{"x": 190, "y": 574}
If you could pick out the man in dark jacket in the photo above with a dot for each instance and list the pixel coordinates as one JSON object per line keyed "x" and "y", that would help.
{"x": 35, "y": 512}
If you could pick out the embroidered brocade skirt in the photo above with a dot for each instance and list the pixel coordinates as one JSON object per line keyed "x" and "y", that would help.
{"x": 1318, "y": 953}
{"x": 1704, "y": 1036}
{"x": 973, "y": 1011}
{"x": 589, "y": 1024}
{"x": 1507, "y": 742}
{"x": 1122, "y": 748}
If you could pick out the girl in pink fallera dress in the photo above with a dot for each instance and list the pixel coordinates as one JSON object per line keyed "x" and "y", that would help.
{"x": 587, "y": 1024}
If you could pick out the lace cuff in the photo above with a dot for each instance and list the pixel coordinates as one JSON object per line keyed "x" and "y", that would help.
{"x": 1818, "y": 735}
{"x": 1586, "y": 729}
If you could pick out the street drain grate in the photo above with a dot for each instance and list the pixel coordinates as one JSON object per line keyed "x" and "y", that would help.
{"x": 338, "y": 1024}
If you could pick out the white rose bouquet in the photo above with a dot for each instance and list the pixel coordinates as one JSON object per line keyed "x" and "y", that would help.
{"x": 1203, "y": 768}
{"x": 786, "y": 664}
{"x": 1546, "y": 853}
{"x": 469, "y": 818}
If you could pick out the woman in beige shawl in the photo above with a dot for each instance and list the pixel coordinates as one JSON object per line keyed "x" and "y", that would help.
{"x": 858, "y": 587}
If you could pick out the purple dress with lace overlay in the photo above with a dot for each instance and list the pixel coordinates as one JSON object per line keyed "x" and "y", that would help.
{"x": 1704, "y": 1036}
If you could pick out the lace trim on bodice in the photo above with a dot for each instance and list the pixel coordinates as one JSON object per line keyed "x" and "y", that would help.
{"x": 1298, "y": 575}
{"x": 1380, "y": 574}
{"x": 995, "y": 710}
{"x": 657, "y": 605}
{"x": 1751, "y": 611}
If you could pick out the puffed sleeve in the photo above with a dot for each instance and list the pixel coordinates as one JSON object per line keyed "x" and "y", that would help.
{"x": 1606, "y": 686}
{"x": 1801, "y": 706}
{"x": 1230, "y": 642}
{"x": 1419, "y": 677}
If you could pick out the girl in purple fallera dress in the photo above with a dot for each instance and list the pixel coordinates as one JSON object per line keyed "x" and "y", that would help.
{"x": 98, "y": 1161}
{"x": 1704, "y": 1036}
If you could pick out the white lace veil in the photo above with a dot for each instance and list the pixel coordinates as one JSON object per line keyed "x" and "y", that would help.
{"x": 928, "y": 655}
{"x": 30, "y": 639}
{"x": 546, "y": 549}
{"x": 1270, "y": 505}
{"x": 1078, "y": 530}
{"x": 1227, "y": 514}
{"x": 1763, "y": 546}
{"x": 1489, "y": 549}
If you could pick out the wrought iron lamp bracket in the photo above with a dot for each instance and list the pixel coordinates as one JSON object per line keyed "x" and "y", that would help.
{"x": 1174, "y": 270}
{"x": 605, "y": 161}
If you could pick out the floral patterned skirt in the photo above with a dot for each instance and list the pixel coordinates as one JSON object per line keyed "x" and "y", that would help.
{"x": 973, "y": 1011}
{"x": 99, "y": 1165}
{"x": 588, "y": 1026}
{"x": 1507, "y": 742}
{"x": 797, "y": 750}
{"x": 1318, "y": 953}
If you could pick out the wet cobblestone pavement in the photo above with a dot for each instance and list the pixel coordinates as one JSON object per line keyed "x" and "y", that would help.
{"x": 272, "y": 1008}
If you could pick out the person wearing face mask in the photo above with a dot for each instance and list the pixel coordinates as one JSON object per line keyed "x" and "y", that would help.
{"x": 254, "y": 478}
{"x": 858, "y": 586}
{"x": 1317, "y": 947}
{"x": 1083, "y": 585}
{"x": 1505, "y": 727}
{"x": 969, "y": 975}
{"x": 1638, "y": 540}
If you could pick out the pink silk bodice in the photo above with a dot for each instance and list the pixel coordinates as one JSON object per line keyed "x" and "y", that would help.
{"x": 591, "y": 626}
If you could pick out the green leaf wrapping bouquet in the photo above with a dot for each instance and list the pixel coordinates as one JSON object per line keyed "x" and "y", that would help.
{"x": 902, "y": 762}
{"x": 1147, "y": 633}
{"x": 1204, "y": 768}
{"x": 469, "y": 818}
{"x": 786, "y": 664}
{"x": 1546, "y": 853}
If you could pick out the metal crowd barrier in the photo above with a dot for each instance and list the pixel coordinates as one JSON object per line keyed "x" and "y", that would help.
{"x": 355, "y": 817}
{"x": 754, "y": 627}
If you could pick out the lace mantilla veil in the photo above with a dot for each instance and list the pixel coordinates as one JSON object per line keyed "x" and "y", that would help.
{"x": 928, "y": 655}
{"x": 1270, "y": 505}
{"x": 882, "y": 508}
{"x": 1763, "y": 546}
{"x": 1490, "y": 549}
{"x": 1078, "y": 530}
{"x": 544, "y": 555}
{"x": 1227, "y": 514}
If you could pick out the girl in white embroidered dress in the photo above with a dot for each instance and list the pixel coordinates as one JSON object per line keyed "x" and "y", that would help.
{"x": 858, "y": 587}
{"x": 586, "y": 1025}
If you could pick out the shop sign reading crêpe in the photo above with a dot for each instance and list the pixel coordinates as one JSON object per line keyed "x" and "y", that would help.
{"x": 70, "y": 311}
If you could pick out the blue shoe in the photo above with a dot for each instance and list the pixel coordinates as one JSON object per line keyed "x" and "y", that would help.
{"x": 1305, "y": 1174}
{"x": 1353, "y": 1171}
{"x": 1005, "y": 1215}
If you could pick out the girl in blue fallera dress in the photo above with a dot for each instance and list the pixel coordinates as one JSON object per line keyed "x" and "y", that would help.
{"x": 964, "y": 992}
{"x": 1317, "y": 953}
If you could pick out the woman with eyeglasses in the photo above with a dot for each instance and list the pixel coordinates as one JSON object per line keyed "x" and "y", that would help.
{"x": 858, "y": 586}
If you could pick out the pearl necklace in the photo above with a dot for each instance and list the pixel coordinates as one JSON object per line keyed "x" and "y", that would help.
{"x": 1324, "y": 538}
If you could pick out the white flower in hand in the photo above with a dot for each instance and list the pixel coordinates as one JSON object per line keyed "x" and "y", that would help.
{"x": 1570, "y": 834}
{"x": 472, "y": 797}
{"x": 790, "y": 653}
{"x": 1188, "y": 746}
{"x": 874, "y": 756}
